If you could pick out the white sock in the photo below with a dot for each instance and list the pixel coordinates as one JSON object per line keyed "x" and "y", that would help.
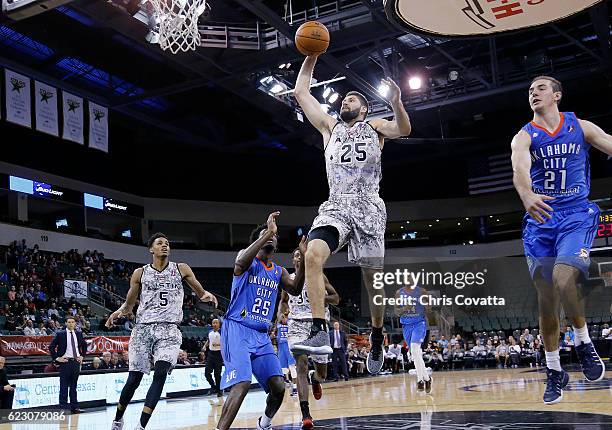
{"x": 293, "y": 372}
{"x": 581, "y": 335}
{"x": 294, "y": 386}
{"x": 264, "y": 421}
{"x": 419, "y": 364}
{"x": 553, "y": 361}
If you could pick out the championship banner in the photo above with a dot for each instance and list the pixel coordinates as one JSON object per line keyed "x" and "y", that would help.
{"x": 18, "y": 103}
{"x": 76, "y": 289}
{"x": 98, "y": 127}
{"x": 479, "y": 17}
{"x": 24, "y": 345}
{"x": 100, "y": 344}
{"x": 46, "y": 108}
{"x": 72, "y": 107}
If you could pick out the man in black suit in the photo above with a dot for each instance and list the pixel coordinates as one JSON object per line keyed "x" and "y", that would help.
{"x": 67, "y": 349}
{"x": 339, "y": 343}
{"x": 6, "y": 390}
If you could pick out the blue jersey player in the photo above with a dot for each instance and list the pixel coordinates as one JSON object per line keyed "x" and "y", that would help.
{"x": 413, "y": 318}
{"x": 284, "y": 355}
{"x": 550, "y": 158}
{"x": 245, "y": 345}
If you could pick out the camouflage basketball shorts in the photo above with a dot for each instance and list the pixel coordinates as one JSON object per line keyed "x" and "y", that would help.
{"x": 298, "y": 331}
{"x": 361, "y": 222}
{"x": 150, "y": 343}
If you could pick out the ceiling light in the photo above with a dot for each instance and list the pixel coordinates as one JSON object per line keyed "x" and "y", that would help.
{"x": 415, "y": 83}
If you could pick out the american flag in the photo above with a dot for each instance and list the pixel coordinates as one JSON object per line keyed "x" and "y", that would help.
{"x": 490, "y": 174}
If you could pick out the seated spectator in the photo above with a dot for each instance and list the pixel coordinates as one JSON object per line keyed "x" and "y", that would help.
{"x": 569, "y": 333}
{"x": 41, "y": 330}
{"x": 86, "y": 328}
{"x": 540, "y": 356}
{"x": 106, "y": 360}
{"x": 12, "y": 294}
{"x": 480, "y": 354}
{"x": 355, "y": 365}
{"x": 457, "y": 355}
{"x": 124, "y": 360}
{"x": 527, "y": 352}
{"x": 114, "y": 362}
{"x": 442, "y": 343}
{"x": 183, "y": 360}
{"x": 528, "y": 336}
{"x": 53, "y": 325}
{"x": 501, "y": 354}
{"x": 460, "y": 341}
{"x": 496, "y": 341}
{"x": 11, "y": 322}
{"x": 201, "y": 358}
{"x": 514, "y": 351}
{"x": 395, "y": 357}
{"x": 6, "y": 310}
{"x": 96, "y": 364}
{"x": 28, "y": 329}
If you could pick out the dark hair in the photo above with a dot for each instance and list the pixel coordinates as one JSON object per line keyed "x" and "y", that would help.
{"x": 361, "y": 97}
{"x": 555, "y": 84}
{"x": 257, "y": 231}
{"x": 153, "y": 238}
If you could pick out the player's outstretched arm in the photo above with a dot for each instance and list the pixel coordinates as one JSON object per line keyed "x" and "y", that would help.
{"x": 400, "y": 125}
{"x": 597, "y": 137}
{"x": 130, "y": 298}
{"x": 191, "y": 280}
{"x": 535, "y": 204}
{"x": 294, "y": 286}
{"x": 311, "y": 107}
{"x": 331, "y": 295}
{"x": 246, "y": 256}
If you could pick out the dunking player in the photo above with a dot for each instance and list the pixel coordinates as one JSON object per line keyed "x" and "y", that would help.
{"x": 156, "y": 338}
{"x": 414, "y": 323}
{"x": 550, "y": 157}
{"x": 245, "y": 344}
{"x": 300, "y": 321}
{"x": 284, "y": 355}
{"x": 354, "y": 212}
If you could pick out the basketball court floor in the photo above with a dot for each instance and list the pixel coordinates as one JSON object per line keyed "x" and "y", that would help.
{"x": 470, "y": 399}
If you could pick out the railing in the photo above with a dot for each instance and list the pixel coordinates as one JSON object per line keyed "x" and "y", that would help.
{"x": 351, "y": 328}
{"x": 444, "y": 324}
{"x": 335, "y": 15}
{"x": 101, "y": 297}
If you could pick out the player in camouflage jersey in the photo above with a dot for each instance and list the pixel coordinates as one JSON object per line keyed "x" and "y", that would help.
{"x": 156, "y": 338}
{"x": 300, "y": 320}
{"x": 354, "y": 212}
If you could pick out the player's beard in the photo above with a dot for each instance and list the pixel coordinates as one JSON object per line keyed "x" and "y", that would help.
{"x": 349, "y": 115}
{"x": 269, "y": 249}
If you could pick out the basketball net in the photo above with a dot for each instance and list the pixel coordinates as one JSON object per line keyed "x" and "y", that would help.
{"x": 178, "y": 23}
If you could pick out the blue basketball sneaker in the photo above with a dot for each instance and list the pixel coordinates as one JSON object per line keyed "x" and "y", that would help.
{"x": 555, "y": 382}
{"x": 592, "y": 366}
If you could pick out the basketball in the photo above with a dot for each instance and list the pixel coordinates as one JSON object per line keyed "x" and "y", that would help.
{"x": 312, "y": 38}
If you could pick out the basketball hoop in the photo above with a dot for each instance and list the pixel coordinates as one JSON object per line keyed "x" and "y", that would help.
{"x": 178, "y": 23}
